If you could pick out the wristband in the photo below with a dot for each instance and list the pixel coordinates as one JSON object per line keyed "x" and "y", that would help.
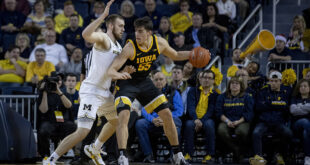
{"x": 61, "y": 95}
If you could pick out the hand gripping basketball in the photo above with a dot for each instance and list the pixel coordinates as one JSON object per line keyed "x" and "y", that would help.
{"x": 199, "y": 57}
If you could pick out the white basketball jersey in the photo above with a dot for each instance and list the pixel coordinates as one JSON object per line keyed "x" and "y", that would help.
{"x": 97, "y": 81}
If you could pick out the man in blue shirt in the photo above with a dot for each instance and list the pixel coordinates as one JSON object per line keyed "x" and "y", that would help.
{"x": 272, "y": 106}
{"x": 11, "y": 21}
{"x": 152, "y": 122}
{"x": 71, "y": 37}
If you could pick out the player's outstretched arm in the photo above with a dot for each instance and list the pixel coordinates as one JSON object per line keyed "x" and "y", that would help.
{"x": 119, "y": 61}
{"x": 89, "y": 33}
{"x": 168, "y": 51}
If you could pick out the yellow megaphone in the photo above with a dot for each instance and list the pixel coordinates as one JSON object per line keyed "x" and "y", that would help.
{"x": 265, "y": 40}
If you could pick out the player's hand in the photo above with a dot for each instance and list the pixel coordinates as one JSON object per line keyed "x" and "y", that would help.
{"x": 122, "y": 76}
{"x": 129, "y": 69}
{"x": 107, "y": 9}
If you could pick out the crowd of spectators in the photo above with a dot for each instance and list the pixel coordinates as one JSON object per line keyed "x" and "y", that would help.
{"x": 42, "y": 39}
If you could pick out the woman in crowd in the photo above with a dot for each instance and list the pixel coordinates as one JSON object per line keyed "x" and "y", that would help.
{"x": 235, "y": 110}
{"x": 300, "y": 109}
{"x": 35, "y": 21}
{"x": 128, "y": 13}
{"x": 23, "y": 42}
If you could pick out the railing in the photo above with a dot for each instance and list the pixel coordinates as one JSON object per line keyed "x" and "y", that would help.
{"x": 274, "y": 14}
{"x": 297, "y": 65}
{"x": 25, "y": 105}
{"x": 218, "y": 61}
{"x": 259, "y": 24}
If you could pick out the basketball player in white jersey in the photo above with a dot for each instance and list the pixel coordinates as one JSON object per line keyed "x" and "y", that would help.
{"x": 94, "y": 92}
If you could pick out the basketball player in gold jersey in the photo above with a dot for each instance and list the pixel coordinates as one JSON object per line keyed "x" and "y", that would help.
{"x": 141, "y": 54}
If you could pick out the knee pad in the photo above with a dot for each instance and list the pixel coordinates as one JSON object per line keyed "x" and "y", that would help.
{"x": 122, "y": 103}
{"x": 85, "y": 123}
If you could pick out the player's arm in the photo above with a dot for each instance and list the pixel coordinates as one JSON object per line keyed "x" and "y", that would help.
{"x": 168, "y": 51}
{"x": 89, "y": 33}
{"x": 119, "y": 61}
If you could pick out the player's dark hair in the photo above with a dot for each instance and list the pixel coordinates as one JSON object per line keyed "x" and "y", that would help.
{"x": 145, "y": 22}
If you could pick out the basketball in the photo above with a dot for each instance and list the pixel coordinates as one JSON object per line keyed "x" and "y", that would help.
{"x": 199, "y": 57}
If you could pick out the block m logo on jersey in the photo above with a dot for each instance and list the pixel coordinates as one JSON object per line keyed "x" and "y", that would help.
{"x": 87, "y": 107}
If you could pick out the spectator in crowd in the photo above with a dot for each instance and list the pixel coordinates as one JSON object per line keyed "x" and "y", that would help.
{"x": 227, "y": 7}
{"x": 306, "y": 33}
{"x": 39, "y": 68}
{"x": 237, "y": 62}
{"x": 152, "y": 123}
{"x": 128, "y": 13}
{"x": 300, "y": 109}
{"x": 179, "y": 84}
{"x": 71, "y": 37}
{"x": 177, "y": 78}
{"x": 49, "y": 24}
{"x": 21, "y": 6}
{"x": 280, "y": 52}
{"x": 35, "y": 21}
{"x": 179, "y": 45}
{"x": 56, "y": 120}
{"x": 256, "y": 79}
{"x": 75, "y": 64}
{"x": 198, "y": 35}
{"x": 12, "y": 70}
{"x": 201, "y": 102}
{"x": 23, "y": 42}
{"x": 272, "y": 106}
{"x": 150, "y": 7}
{"x": 166, "y": 68}
{"x": 181, "y": 20}
{"x": 55, "y": 53}
{"x": 98, "y": 9}
{"x": 62, "y": 20}
{"x": 189, "y": 74}
{"x": 71, "y": 93}
{"x": 218, "y": 23}
{"x": 295, "y": 41}
{"x": 243, "y": 7}
{"x": 307, "y": 75}
{"x": 235, "y": 110}
{"x": 299, "y": 23}
{"x": 165, "y": 30}
{"x": 11, "y": 20}
{"x": 244, "y": 75}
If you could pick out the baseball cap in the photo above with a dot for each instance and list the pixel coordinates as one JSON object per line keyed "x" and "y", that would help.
{"x": 275, "y": 74}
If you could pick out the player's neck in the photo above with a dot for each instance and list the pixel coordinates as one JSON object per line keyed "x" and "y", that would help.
{"x": 111, "y": 35}
{"x": 146, "y": 44}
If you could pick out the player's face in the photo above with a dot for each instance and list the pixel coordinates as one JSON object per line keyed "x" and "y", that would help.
{"x": 142, "y": 35}
{"x": 118, "y": 28}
